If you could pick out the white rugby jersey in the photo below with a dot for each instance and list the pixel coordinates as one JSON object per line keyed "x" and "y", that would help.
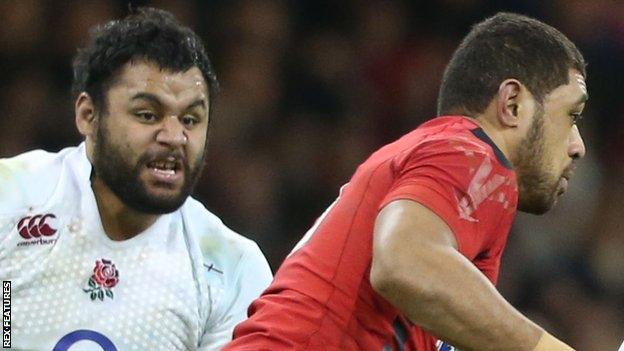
{"x": 183, "y": 284}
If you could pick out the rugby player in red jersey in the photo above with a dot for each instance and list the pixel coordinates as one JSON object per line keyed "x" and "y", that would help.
{"x": 408, "y": 256}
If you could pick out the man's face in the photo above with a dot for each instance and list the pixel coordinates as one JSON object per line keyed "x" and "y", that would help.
{"x": 150, "y": 144}
{"x": 544, "y": 162}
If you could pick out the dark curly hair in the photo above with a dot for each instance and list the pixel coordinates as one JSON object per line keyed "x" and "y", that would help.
{"x": 145, "y": 34}
{"x": 504, "y": 46}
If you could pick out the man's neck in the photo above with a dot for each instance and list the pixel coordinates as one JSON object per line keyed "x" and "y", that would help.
{"x": 497, "y": 136}
{"x": 120, "y": 222}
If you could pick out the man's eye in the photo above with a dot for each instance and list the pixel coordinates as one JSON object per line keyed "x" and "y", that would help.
{"x": 146, "y": 116}
{"x": 576, "y": 117}
{"x": 189, "y": 120}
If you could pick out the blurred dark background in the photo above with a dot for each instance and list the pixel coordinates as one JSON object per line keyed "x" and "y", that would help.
{"x": 310, "y": 88}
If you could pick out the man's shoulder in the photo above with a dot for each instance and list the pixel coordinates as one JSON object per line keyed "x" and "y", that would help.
{"x": 451, "y": 133}
{"x": 230, "y": 260}
{"x": 441, "y": 135}
{"x": 456, "y": 139}
{"x": 31, "y": 162}
{"x": 30, "y": 179}
{"x": 217, "y": 242}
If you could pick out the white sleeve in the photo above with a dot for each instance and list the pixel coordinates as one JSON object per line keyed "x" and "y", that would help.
{"x": 252, "y": 276}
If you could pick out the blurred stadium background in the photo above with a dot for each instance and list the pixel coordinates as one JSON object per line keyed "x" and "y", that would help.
{"x": 311, "y": 87}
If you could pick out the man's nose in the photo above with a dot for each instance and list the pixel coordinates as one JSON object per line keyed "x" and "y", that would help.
{"x": 576, "y": 146}
{"x": 172, "y": 132}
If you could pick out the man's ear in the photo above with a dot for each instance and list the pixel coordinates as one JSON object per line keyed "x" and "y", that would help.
{"x": 508, "y": 104}
{"x": 85, "y": 115}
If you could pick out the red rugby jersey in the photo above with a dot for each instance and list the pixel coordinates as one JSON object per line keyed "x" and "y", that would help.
{"x": 322, "y": 299}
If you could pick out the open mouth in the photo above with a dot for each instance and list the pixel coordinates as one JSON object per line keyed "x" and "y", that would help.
{"x": 165, "y": 167}
{"x": 168, "y": 170}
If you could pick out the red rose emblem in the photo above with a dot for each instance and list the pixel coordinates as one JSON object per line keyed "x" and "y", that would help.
{"x": 105, "y": 276}
{"x": 105, "y": 273}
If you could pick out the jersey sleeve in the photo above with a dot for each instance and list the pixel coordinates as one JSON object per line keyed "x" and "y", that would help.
{"x": 252, "y": 276}
{"x": 452, "y": 179}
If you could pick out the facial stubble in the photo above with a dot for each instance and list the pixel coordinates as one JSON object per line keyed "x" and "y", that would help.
{"x": 537, "y": 186}
{"x": 113, "y": 166}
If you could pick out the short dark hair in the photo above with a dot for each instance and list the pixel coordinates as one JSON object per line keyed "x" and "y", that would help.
{"x": 145, "y": 34}
{"x": 504, "y": 46}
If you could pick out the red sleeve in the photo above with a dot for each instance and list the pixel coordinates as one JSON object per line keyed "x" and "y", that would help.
{"x": 453, "y": 180}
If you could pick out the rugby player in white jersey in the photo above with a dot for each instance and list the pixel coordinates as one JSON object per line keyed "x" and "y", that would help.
{"x": 102, "y": 244}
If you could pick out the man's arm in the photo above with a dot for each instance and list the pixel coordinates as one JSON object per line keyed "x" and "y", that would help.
{"x": 417, "y": 267}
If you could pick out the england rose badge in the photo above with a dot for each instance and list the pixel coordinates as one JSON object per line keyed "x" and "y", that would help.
{"x": 105, "y": 276}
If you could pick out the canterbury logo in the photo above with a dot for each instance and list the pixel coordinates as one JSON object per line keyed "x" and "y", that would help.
{"x": 36, "y": 226}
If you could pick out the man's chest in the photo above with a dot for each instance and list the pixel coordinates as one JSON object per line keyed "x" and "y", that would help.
{"x": 71, "y": 290}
